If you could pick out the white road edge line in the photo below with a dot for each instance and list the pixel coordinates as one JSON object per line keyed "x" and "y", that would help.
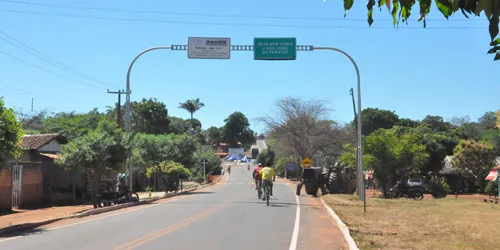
{"x": 10, "y": 238}
{"x": 295, "y": 235}
{"x": 343, "y": 227}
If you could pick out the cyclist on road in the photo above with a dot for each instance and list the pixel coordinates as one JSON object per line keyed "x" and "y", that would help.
{"x": 268, "y": 177}
{"x": 256, "y": 176}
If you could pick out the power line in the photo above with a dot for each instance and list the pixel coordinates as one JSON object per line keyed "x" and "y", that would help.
{"x": 47, "y": 71}
{"x": 47, "y": 59}
{"x": 227, "y": 24}
{"x": 197, "y": 14}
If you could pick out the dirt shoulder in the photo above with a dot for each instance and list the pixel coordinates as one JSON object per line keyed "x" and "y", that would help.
{"x": 427, "y": 224}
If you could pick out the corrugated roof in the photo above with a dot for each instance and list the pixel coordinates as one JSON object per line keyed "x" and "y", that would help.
{"x": 36, "y": 141}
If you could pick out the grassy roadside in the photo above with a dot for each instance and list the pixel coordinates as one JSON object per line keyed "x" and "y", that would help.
{"x": 427, "y": 224}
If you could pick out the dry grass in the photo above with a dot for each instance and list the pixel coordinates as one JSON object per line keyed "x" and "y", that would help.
{"x": 427, "y": 224}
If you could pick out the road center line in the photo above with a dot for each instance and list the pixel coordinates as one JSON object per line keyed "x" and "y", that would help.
{"x": 152, "y": 236}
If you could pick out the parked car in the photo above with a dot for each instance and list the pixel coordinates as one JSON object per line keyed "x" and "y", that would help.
{"x": 413, "y": 182}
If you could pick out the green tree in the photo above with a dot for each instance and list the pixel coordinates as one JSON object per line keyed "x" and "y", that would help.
{"x": 391, "y": 152}
{"x": 214, "y": 135}
{"x": 237, "y": 129}
{"x": 493, "y": 137}
{"x": 475, "y": 158}
{"x": 405, "y": 122}
{"x": 401, "y": 11}
{"x": 438, "y": 145}
{"x": 266, "y": 157}
{"x": 96, "y": 152}
{"x": 192, "y": 106}
{"x": 436, "y": 123}
{"x": 72, "y": 125}
{"x": 213, "y": 165}
{"x": 177, "y": 125}
{"x": 149, "y": 116}
{"x": 374, "y": 118}
{"x": 10, "y": 134}
{"x": 171, "y": 173}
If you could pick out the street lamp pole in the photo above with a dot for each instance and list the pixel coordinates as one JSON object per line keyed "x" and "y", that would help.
{"x": 359, "y": 155}
{"x": 127, "y": 107}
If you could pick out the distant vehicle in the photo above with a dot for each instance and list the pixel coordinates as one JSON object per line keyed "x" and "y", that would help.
{"x": 419, "y": 182}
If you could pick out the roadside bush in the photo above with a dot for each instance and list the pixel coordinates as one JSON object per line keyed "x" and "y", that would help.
{"x": 491, "y": 188}
{"x": 439, "y": 189}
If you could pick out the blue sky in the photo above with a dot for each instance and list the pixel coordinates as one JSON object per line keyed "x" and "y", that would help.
{"x": 442, "y": 70}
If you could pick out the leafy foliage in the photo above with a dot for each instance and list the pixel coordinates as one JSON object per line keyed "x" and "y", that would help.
{"x": 439, "y": 189}
{"x": 237, "y": 129}
{"x": 266, "y": 157}
{"x": 170, "y": 172}
{"x": 391, "y": 152}
{"x": 401, "y": 11}
{"x": 10, "y": 134}
{"x": 149, "y": 116}
{"x": 491, "y": 187}
{"x": 96, "y": 152}
{"x": 476, "y": 158}
{"x": 374, "y": 118}
{"x": 149, "y": 150}
{"x": 72, "y": 125}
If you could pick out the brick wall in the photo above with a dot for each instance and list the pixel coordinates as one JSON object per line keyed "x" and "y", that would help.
{"x": 6, "y": 189}
{"x": 32, "y": 190}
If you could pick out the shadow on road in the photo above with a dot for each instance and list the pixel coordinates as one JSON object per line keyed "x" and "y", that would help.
{"x": 199, "y": 192}
{"x": 22, "y": 233}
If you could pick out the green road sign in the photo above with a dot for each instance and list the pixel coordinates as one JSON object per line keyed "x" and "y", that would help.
{"x": 274, "y": 48}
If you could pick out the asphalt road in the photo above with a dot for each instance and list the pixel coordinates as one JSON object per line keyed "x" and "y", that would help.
{"x": 225, "y": 217}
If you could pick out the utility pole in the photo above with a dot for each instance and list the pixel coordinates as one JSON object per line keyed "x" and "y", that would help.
{"x": 32, "y": 104}
{"x": 119, "y": 105}
{"x": 204, "y": 162}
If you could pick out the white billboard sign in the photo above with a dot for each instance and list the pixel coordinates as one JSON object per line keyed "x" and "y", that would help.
{"x": 209, "y": 48}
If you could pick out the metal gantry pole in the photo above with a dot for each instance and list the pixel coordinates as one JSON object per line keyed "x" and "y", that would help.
{"x": 359, "y": 155}
{"x": 127, "y": 109}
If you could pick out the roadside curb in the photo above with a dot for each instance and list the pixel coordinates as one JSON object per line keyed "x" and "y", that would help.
{"x": 27, "y": 226}
{"x": 342, "y": 226}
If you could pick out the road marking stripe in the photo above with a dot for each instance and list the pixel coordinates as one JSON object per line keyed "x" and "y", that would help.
{"x": 10, "y": 238}
{"x": 175, "y": 226}
{"x": 295, "y": 235}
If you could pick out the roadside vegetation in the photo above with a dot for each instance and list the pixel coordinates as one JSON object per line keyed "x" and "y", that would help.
{"x": 162, "y": 146}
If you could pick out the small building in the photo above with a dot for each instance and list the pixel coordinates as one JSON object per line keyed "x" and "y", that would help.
{"x": 458, "y": 182}
{"x": 45, "y": 148}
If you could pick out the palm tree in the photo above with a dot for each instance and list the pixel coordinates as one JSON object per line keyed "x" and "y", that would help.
{"x": 192, "y": 106}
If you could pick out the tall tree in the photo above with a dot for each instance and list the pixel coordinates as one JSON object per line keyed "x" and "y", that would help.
{"x": 374, "y": 118}
{"x": 390, "y": 152}
{"x": 96, "y": 152}
{"x": 71, "y": 124}
{"x": 10, "y": 134}
{"x": 237, "y": 129}
{"x": 214, "y": 135}
{"x": 149, "y": 116}
{"x": 304, "y": 128}
{"x": 192, "y": 106}
{"x": 475, "y": 158}
{"x": 401, "y": 11}
{"x": 436, "y": 123}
